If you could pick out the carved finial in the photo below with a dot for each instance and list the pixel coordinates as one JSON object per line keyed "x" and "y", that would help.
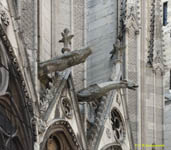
{"x": 117, "y": 49}
{"x": 66, "y": 39}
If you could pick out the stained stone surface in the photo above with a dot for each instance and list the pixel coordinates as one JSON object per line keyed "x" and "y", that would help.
{"x": 101, "y": 35}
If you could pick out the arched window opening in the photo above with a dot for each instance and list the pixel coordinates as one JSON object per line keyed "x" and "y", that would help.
{"x": 117, "y": 125}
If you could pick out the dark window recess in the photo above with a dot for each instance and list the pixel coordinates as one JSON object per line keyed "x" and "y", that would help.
{"x": 165, "y": 13}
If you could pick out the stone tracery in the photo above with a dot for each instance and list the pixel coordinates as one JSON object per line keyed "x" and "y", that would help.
{"x": 117, "y": 125}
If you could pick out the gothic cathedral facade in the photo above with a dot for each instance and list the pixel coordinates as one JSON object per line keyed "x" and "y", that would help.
{"x": 81, "y": 74}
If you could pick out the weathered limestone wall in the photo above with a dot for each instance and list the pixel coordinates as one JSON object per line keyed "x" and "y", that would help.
{"x": 153, "y": 104}
{"x": 79, "y": 40}
{"x": 101, "y": 34}
{"x": 62, "y": 18}
{"x": 55, "y": 16}
{"x": 149, "y": 110}
{"x": 25, "y": 18}
{"x": 159, "y": 114}
{"x": 45, "y": 30}
{"x": 166, "y": 47}
{"x": 167, "y": 133}
{"x": 132, "y": 76}
{"x": 26, "y": 11}
{"x": 145, "y": 105}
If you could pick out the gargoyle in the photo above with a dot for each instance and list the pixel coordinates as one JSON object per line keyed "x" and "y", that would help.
{"x": 96, "y": 91}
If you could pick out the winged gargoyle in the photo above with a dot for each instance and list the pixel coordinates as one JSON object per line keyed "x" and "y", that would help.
{"x": 69, "y": 59}
{"x": 63, "y": 62}
{"x": 96, "y": 91}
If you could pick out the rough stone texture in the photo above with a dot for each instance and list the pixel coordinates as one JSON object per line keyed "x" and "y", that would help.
{"x": 149, "y": 109}
{"x": 167, "y": 119}
{"x": 166, "y": 47}
{"x": 25, "y": 17}
{"x": 159, "y": 109}
{"x": 55, "y": 17}
{"x": 79, "y": 40}
{"x": 27, "y": 23}
{"x": 132, "y": 76}
{"x": 101, "y": 35}
{"x": 45, "y": 51}
{"x": 62, "y": 19}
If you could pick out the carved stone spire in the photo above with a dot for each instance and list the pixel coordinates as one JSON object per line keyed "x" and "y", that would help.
{"x": 66, "y": 39}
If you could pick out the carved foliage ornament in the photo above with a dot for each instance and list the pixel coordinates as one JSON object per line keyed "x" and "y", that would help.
{"x": 152, "y": 30}
{"x": 4, "y": 17}
{"x": 118, "y": 101}
{"x": 47, "y": 95}
{"x": 66, "y": 107}
{"x": 108, "y": 133}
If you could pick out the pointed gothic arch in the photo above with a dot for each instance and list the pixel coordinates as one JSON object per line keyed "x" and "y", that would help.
{"x": 112, "y": 146}
{"x": 16, "y": 130}
{"x": 60, "y": 136}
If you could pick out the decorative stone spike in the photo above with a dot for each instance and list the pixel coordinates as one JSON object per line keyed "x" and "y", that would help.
{"x": 63, "y": 62}
{"x": 98, "y": 90}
